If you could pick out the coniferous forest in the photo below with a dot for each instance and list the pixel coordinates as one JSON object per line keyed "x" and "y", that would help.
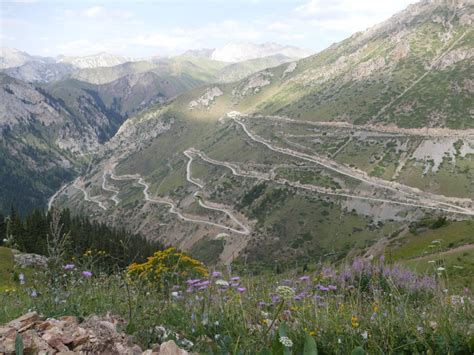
{"x": 114, "y": 247}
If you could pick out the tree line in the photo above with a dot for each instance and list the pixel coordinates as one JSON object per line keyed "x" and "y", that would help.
{"x": 110, "y": 247}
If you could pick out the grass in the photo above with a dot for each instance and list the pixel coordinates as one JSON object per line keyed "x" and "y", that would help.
{"x": 373, "y": 306}
{"x": 6, "y": 268}
{"x": 452, "y": 235}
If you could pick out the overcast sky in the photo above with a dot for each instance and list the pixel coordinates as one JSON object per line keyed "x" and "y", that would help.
{"x": 143, "y": 28}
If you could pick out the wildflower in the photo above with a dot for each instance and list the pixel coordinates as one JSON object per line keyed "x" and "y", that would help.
{"x": 34, "y": 293}
{"x": 286, "y": 342}
{"x": 202, "y": 284}
{"x": 175, "y": 294}
{"x": 69, "y": 267}
{"x": 222, "y": 283}
{"x": 241, "y": 289}
{"x": 21, "y": 277}
{"x": 262, "y": 304}
{"x": 235, "y": 284}
{"x": 365, "y": 335}
{"x": 216, "y": 274}
{"x": 312, "y": 333}
{"x": 87, "y": 274}
{"x": 355, "y": 321}
{"x": 193, "y": 281}
{"x": 441, "y": 268}
{"x": 285, "y": 292}
{"x": 457, "y": 300}
{"x": 431, "y": 261}
{"x": 339, "y": 341}
{"x": 323, "y": 288}
{"x": 433, "y": 325}
{"x": 332, "y": 287}
{"x": 304, "y": 278}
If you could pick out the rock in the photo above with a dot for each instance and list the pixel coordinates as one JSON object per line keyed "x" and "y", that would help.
{"x": 31, "y": 260}
{"x": 24, "y": 320}
{"x": 170, "y": 348}
{"x": 96, "y": 335}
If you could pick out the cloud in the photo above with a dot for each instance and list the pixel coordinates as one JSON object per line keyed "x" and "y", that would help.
{"x": 347, "y": 14}
{"x": 24, "y": 1}
{"x": 94, "y": 11}
{"x": 161, "y": 40}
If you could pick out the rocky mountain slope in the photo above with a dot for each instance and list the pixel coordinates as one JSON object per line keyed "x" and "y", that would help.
{"x": 325, "y": 156}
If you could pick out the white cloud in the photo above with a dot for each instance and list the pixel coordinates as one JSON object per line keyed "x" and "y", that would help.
{"x": 161, "y": 40}
{"x": 94, "y": 11}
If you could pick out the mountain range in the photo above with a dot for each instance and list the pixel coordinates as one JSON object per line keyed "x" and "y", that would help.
{"x": 267, "y": 158}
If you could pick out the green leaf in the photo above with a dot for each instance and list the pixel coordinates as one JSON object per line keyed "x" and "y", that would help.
{"x": 265, "y": 352}
{"x": 358, "y": 351}
{"x": 310, "y": 347}
{"x": 282, "y": 330}
{"x": 19, "y": 344}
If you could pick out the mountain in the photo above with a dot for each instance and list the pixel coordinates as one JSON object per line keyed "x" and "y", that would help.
{"x": 46, "y": 139}
{"x": 242, "y": 51}
{"x": 10, "y": 57}
{"x": 93, "y": 61}
{"x": 40, "y": 72}
{"x": 312, "y": 159}
{"x": 240, "y": 70}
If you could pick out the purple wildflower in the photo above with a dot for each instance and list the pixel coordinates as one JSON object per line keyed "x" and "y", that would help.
{"x": 87, "y": 274}
{"x": 241, "y": 289}
{"x": 216, "y": 274}
{"x": 304, "y": 278}
{"x": 235, "y": 279}
{"x": 193, "y": 281}
{"x": 69, "y": 267}
{"x": 332, "y": 287}
{"x": 204, "y": 283}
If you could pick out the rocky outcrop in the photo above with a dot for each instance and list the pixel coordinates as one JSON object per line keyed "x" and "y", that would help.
{"x": 206, "y": 100}
{"x": 95, "y": 335}
{"x": 30, "y": 260}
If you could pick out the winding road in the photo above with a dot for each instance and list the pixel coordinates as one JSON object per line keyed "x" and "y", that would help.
{"x": 173, "y": 209}
{"x": 314, "y": 188}
{"x": 87, "y": 197}
{"x": 416, "y": 197}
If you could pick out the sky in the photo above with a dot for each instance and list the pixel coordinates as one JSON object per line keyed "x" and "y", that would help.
{"x": 143, "y": 28}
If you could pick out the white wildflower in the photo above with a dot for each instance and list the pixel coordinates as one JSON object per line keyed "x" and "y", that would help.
{"x": 431, "y": 261}
{"x": 223, "y": 283}
{"x": 285, "y": 292}
{"x": 441, "y": 268}
{"x": 365, "y": 335}
{"x": 286, "y": 342}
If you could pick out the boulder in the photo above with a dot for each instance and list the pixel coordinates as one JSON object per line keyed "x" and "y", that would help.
{"x": 31, "y": 260}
